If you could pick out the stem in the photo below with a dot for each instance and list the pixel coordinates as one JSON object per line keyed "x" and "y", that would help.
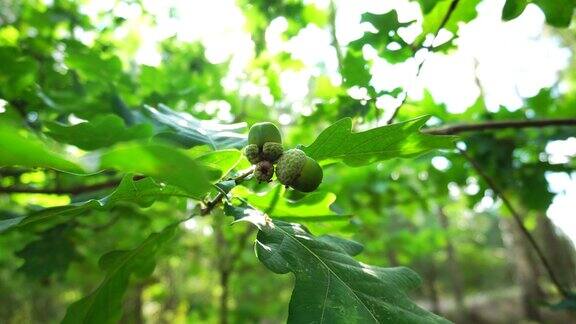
{"x": 210, "y": 205}
{"x": 498, "y": 124}
{"x": 65, "y": 191}
{"x": 492, "y": 184}
{"x": 112, "y": 183}
{"x": 335, "y": 42}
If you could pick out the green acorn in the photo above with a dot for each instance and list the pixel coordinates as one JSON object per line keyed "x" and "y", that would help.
{"x": 264, "y": 143}
{"x": 272, "y": 151}
{"x": 297, "y": 170}
{"x": 252, "y": 153}
{"x": 264, "y": 171}
{"x": 261, "y": 133}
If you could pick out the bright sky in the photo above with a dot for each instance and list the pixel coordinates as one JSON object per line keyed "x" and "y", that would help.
{"x": 511, "y": 60}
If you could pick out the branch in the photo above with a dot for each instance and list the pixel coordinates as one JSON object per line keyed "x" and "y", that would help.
{"x": 113, "y": 183}
{"x": 335, "y": 42}
{"x": 451, "y": 9}
{"x": 14, "y": 171}
{"x": 498, "y": 124}
{"x": 210, "y": 205}
{"x": 492, "y": 184}
{"x": 65, "y": 191}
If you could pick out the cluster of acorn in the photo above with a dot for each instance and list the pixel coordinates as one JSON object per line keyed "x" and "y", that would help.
{"x": 293, "y": 167}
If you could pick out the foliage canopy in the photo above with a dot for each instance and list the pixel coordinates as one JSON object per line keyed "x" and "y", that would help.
{"x": 120, "y": 178}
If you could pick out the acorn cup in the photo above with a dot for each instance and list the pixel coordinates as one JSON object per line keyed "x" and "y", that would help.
{"x": 264, "y": 171}
{"x": 272, "y": 151}
{"x": 298, "y": 171}
{"x": 264, "y": 143}
{"x": 252, "y": 153}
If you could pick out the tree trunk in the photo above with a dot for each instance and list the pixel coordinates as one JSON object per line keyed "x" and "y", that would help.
{"x": 133, "y": 305}
{"x": 455, "y": 278}
{"x": 431, "y": 276}
{"x": 224, "y": 285}
{"x": 223, "y": 253}
{"x": 525, "y": 268}
{"x": 392, "y": 258}
{"x": 559, "y": 250}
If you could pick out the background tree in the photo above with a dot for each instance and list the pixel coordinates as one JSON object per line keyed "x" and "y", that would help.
{"x": 125, "y": 196}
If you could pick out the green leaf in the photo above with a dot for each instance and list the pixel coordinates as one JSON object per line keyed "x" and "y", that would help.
{"x": 312, "y": 14}
{"x": 54, "y": 214}
{"x": 355, "y": 70}
{"x": 102, "y": 131}
{"x": 104, "y": 305}
{"x": 532, "y": 188}
{"x": 558, "y": 12}
{"x": 427, "y": 5}
{"x": 219, "y": 163}
{"x": 90, "y": 64}
{"x": 568, "y": 303}
{"x": 339, "y": 143}
{"x": 331, "y": 286}
{"x": 161, "y": 162}
{"x": 387, "y": 25}
{"x": 513, "y": 9}
{"x": 464, "y": 12}
{"x": 143, "y": 192}
{"x": 17, "y": 72}
{"x": 51, "y": 254}
{"x": 19, "y": 148}
{"x": 188, "y": 131}
{"x": 313, "y": 207}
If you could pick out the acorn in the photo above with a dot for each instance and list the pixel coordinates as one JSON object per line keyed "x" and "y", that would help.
{"x": 252, "y": 153}
{"x": 297, "y": 170}
{"x": 264, "y": 171}
{"x": 272, "y": 151}
{"x": 264, "y": 143}
{"x": 261, "y": 133}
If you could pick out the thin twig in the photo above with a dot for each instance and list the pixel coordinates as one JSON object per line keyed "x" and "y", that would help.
{"x": 335, "y": 42}
{"x": 65, "y": 191}
{"x": 109, "y": 184}
{"x": 210, "y": 205}
{"x": 498, "y": 124}
{"x": 429, "y": 48}
{"x": 492, "y": 184}
{"x": 14, "y": 171}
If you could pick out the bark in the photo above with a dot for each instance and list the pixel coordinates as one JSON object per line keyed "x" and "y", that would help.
{"x": 133, "y": 306}
{"x": 225, "y": 286}
{"x": 223, "y": 268}
{"x": 392, "y": 258}
{"x": 171, "y": 304}
{"x": 431, "y": 275}
{"x": 559, "y": 249}
{"x": 455, "y": 278}
{"x": 525, "y": 268}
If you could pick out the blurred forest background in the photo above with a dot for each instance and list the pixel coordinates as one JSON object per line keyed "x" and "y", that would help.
{"x": 450, "y": 215}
